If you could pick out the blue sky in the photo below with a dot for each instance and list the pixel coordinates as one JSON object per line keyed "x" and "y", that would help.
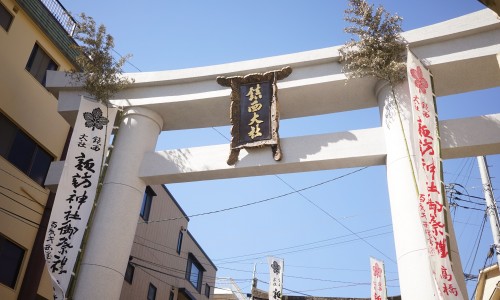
{"x": 321, "y": 256}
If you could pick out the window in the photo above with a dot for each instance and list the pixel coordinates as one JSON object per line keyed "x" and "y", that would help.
{"x": 151, "y": 292}
{"x": 11, "y": 257}
{"x": 23, "y": 152}
{"x": 146, "y": 203}
{"x": 194, "y": 272}
{"x": 171, "y": 296}
{"x": 207, "y": 290}
{"x": 179, "y": 242}
{"x": 5, "y": 18}
{"x": 38, "y": 64}
{"x": 129, "y": 273}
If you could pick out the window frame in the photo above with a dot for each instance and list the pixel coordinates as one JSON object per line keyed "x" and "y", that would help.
{"x": 29, "y": 163}
{"x": 7, "y": 13}
{"x": 153, "y": 288}
{"x": 147, "y": 203}
{"x": 179, "y": 241}
{"x": 207, "y": 290}
{"x": 39, "y": 62}
{"x": 129, "y": 273}
{"x": 17, "y": 265}
{"x": 192, "y": 261}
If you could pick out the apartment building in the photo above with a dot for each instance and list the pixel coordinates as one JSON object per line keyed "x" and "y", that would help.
{"x": 166, "y": 262}
{"x": 32, "y": 135}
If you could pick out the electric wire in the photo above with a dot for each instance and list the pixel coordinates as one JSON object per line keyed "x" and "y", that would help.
{"x": 300, "y": 293}
{"x": 25, "y": 182}
{"x": 300, "y": 250}
{"x": 256, "y": 253}
{"x": 23, "y": 196}
{"x": 173, "y": 270}
{"x": 126, "y": 61}
{"x": 255, "y": 202}
{"x": 476, "y": 244}
{"x": 20, "y": 218}
{"x": 20, "y": 203}
{"x": 297, "y": 246}
{"x": 336, "y": 220}
{"x": 327, "y": 213}
{"x": 254, "y": 257}
{"x": 305, "y": 278}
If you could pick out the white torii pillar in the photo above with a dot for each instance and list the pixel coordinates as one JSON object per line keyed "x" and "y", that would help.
{"x": 415, "y": 275}
{"x": 112, "y": 232}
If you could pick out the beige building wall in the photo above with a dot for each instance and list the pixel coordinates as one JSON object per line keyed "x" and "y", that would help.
{"x": 154, "y": 253}
{"x": 27, "y": 103}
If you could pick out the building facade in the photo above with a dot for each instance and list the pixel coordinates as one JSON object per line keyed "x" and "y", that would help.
{"x": 32, "y": 135}
{"x": 166, "y": 262}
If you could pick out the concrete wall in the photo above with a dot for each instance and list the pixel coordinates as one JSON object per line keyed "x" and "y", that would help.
{"x": 33, "y": 109}
{"x": 155, "y": 249}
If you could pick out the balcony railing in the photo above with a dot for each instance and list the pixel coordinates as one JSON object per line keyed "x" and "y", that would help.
{"x": 61, "y": 15}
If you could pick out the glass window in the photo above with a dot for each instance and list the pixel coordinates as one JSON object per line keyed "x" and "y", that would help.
{"x": 129, "y": 273}
{"x": 40, "y": 166}
{"x": 146, "y": 203}
{"x": 179, "y": 242}
{"x": 5, "y": 18}
{"x": 38, "y": 64}
{"x": 11, "y": 257}
{"x": 151, "y": 292}
{"x": 194, "y": 272}
{"x": 23, "y": 152}
{"x": 207, "y": 290}
{"x": 7, "y": 134}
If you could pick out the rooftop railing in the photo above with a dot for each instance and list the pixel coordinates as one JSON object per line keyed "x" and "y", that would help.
{"x": 61, "y": 15}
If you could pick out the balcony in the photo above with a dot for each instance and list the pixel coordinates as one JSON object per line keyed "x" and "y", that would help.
{"x": 55, "y": 21}
{"x": 61, "y": 15}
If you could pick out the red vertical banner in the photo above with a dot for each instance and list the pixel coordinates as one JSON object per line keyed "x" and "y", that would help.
{"x": 431, "y": 204}
{"x": 378, "y": 283}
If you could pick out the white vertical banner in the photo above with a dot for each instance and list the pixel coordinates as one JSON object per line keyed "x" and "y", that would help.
{"x": 432, "y": 208}
{"x": 276, "y": 268}
{"x": 76, "y": 191}
{"x": 378, "y": 282}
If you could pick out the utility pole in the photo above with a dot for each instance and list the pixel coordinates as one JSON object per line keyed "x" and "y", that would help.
{"x": 254, "y": 280}
{"x": 491, "y": 206}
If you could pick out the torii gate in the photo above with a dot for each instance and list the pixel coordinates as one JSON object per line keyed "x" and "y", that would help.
{"x": 463, "y": 54}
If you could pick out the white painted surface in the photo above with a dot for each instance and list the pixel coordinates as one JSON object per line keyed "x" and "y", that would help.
{"x": 181, "y": 98}
{"x": 115, "y": 222}
{"x": 414, "y": 271}
{"x": 465, "y": 45}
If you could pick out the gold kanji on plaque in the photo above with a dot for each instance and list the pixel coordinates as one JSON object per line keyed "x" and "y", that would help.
{"x": 254, "y": 111}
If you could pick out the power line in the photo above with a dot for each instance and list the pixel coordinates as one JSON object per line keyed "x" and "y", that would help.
{"x": 23, "y": 196}
{"x": 306, "y": 249}
{"x": 324, "y": 211}
{"x": 20, "y": 218}
{"x": 23, "y": 181}
{"x": 335, "y": 219}
{"x": 256, "y": 202}
{"x": 300, "y": 293}
{"x": 20, "y": 203}
{"x": 301, "y": 245}
{"x": 171, "y": 269}
{"x": 127, "y": 61}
